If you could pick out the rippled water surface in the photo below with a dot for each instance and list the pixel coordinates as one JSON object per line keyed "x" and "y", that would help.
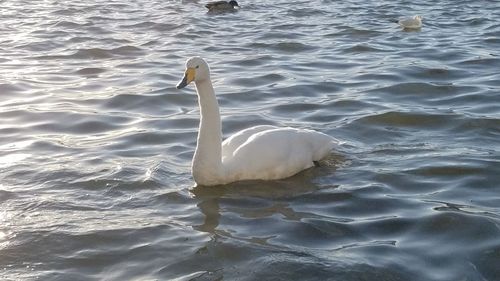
{"x": 96, "y": 142}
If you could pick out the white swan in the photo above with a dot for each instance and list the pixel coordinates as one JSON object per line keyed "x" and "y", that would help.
{"x": 260, "y": 152}
{"x": 411, "y": 22}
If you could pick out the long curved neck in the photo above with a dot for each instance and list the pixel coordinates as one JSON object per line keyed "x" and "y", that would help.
{"x": 207, "y": 160}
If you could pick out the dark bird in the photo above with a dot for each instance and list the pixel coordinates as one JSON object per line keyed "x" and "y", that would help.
{"x": 222, "y": 6}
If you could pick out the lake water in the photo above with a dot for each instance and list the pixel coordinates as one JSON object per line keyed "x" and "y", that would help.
{"x": 96, "y": 142}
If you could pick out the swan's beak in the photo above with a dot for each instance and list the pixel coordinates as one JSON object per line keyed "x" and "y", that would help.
{"x": 188, "y": 78}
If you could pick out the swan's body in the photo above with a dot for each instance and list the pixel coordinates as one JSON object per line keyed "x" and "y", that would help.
{"x": 222, "y": 6}
{"x": 411, "y": 23}
{"x": 261, "y": 152}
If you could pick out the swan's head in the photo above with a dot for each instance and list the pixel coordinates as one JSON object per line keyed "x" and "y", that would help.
{"x": 196, "y": 70}
{"x": 417, "y": 17}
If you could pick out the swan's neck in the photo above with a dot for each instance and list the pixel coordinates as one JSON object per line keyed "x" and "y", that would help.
{"x": 207, "y": 161}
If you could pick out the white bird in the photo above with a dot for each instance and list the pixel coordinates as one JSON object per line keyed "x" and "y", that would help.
{"x": 257, "y": 153}
{"x": 414, "y": 22}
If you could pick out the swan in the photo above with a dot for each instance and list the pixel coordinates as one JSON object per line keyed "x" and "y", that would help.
{"x": 222, "y": 6}
{"x": 411, "y": 22}
{"x": 257, "y": 153}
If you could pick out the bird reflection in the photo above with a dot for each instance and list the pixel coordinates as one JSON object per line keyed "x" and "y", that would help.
{"x": 274, "y": 196}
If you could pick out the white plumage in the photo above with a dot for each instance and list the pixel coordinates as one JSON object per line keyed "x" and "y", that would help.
{"x": 261, "y": 152}
{"x": 411, "y": 22}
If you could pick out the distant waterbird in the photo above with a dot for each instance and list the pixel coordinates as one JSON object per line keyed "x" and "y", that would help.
{"x": 414, "y": 22}
{"x": 222, "y": 6}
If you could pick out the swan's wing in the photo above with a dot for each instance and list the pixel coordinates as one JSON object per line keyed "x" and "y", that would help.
{"x": 278, "y": 153}
{"x": 233, "y": 142}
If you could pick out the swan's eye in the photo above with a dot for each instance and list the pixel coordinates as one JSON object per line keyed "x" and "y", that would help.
{"x": 197, "y": 66}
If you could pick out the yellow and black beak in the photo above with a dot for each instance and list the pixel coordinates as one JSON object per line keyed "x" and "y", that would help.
{"x": 188, "y": 78}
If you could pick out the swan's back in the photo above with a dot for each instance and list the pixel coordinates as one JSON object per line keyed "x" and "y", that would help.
{"x": 233, "y": 142}
{"x": 277, "y": 153}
